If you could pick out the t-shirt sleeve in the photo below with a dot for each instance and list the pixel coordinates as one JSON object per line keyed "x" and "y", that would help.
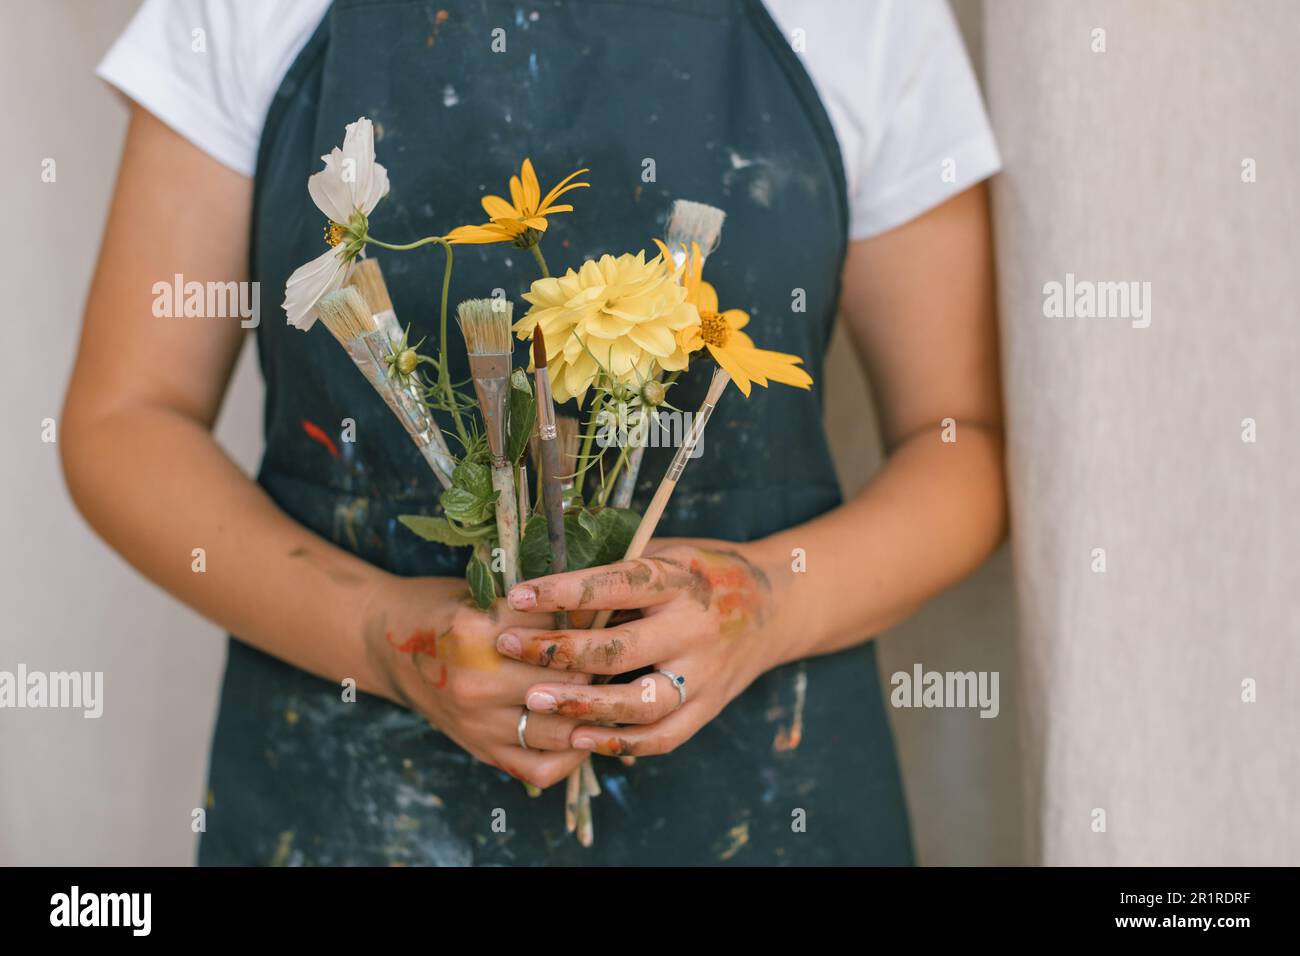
{"x": 210, "y": 68}
{"x": 929, "y": 137}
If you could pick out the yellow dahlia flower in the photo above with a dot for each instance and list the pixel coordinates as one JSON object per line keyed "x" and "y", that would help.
{"x": 720, "y": 333}
{"x": 623, "y": 316}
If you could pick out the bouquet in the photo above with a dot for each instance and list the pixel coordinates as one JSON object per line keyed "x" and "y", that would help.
{"x": 611, "y": 337}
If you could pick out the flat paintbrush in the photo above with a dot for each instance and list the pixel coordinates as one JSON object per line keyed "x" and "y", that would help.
{"x": 650, "y": 520}
{"x": 691, "y": 225}
{"x": 353, "y": 323}
{"x": 485, "y": 323}
{"x": 548, "y": 447}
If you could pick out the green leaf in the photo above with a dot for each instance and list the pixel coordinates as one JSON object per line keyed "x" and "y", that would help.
{"x": 481, "y": 583}
{"x": 466, "y": 507}
{"x": 535, "y": 549}
{"x": 579, "y": 545}
{"x": 614, "y": 530}
{"x": 589, "y": 523}
{"x": 474, "y": 477}
{"x": 523, "y": 415}
{"x": 440, "y": 530}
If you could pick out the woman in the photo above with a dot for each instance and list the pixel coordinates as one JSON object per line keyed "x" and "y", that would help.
{"x": 847, "y": 144}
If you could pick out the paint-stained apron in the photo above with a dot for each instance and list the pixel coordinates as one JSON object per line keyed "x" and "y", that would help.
{"x": 662, "y": 99}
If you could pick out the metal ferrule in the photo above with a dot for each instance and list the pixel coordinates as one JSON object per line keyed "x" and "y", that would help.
{"x": 545, "y": 406}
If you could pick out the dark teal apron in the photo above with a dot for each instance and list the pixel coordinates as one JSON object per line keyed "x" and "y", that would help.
{"x": 800, "y": 769}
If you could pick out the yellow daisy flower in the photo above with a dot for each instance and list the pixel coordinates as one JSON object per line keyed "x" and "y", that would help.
{"x": 720, "y": 333}
{"x": 523, "y": 219}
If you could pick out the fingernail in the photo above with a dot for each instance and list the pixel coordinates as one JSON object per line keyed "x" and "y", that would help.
{"x": 509, "y": 645}
{"x": 522, "y": 598}
{"x": 541, "y": 701}
{"x": 584, "y": 743}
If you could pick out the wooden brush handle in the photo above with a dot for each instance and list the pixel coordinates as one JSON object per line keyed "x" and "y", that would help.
{"x": 650, "y": 520}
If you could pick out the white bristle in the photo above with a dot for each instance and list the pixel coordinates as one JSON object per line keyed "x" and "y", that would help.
{"x": 346, "y": 314}
{"x": 485, "y": 323}
{"x": 694, "y": 222}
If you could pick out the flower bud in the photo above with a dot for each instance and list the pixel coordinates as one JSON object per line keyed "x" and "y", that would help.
{"x": 407, "y": 361}
{"x": 653, "y": 393}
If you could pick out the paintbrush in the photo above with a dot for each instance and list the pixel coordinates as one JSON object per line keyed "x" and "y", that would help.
{"x": 485, "y": 323}
{"x": 646, "y": 529}
{"x": 368, "y": 279}
{"x": 693, "y": 223}
{"x": 353, "y": 323}
{"x": 549, "y": 465}
{"x": 569, "y": 438}
{"x": 586, "y": 784}
{"x": 690, "y": 225}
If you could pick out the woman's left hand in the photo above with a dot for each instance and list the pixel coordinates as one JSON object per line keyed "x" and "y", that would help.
{"x": 707, "y": 614}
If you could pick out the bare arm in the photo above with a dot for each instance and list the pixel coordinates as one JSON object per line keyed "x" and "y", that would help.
{"x": 919, "y": 304}
{"x": 142, "y": 466}
{"x": 138, "y": 454}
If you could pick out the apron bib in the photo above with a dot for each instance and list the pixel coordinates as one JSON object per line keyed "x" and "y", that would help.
{"x": 662, "y": 99}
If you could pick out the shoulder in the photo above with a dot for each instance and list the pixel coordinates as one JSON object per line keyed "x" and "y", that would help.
{"x": 210, "y": 68}
{"x": 896, "y": 82}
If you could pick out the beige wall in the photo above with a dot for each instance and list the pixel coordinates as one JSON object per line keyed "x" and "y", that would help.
{"x": 119, "y": 790}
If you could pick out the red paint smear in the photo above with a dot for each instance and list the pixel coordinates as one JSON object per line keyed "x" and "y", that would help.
{"x": 315, "y": 434}
{"x": 420, "y": 642}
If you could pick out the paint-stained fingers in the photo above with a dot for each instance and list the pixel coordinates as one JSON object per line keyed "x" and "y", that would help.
{"x": 645, "y": 740}
{"x": 626, "y": 585}
{"x": 612, "y": 650}
{"x": 645, "y": 700}
{"x": 541, "y": 731}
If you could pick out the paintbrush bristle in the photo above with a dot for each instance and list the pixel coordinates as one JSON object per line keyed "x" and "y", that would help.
{"x": 368, "y": 279}
{"x": 346, "y": 314}
{"x": 485, "y": 323}
{"x": 539, "y": 348}
{"x": 692, "y": 222}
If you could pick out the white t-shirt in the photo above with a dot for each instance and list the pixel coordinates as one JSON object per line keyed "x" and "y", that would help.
{"x": 893, "y": 76}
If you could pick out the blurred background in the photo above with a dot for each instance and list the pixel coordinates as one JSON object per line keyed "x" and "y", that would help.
{"x": 1119, "y": 690}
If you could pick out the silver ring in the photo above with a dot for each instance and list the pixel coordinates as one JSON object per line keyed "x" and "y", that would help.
{"x": 679, "y": 682}
{"x": 522, "y": 728}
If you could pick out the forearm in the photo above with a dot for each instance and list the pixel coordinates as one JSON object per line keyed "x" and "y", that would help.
{"x": 156, "y": 486}
{"x": 932, "y": 515}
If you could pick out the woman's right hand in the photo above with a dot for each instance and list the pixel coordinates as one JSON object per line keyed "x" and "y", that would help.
{"x": 431, "y": 649}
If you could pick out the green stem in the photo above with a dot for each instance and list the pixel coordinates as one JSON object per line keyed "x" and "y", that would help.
{"x": 583, "y": 460}
{"x": 371, "y": 240}
{"x": 444, "y": 371}
{"x": 536, "y": 249}
{"x": 612, "y": 478}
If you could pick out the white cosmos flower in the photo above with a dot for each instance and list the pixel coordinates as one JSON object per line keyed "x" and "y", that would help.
{"x": 347, "y": 191}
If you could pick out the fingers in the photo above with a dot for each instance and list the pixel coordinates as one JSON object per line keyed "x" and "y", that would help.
{"x": 645, "y": 740}
{"x": 539, "y": 767}
{"x": 644, "y": 701}
{"x": 613, "y": 650}
{"x": 541, "y": 731}
{"x": 626, "y": 585}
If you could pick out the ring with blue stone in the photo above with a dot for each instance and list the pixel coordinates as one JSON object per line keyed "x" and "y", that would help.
{"x": 679, "y": 682}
